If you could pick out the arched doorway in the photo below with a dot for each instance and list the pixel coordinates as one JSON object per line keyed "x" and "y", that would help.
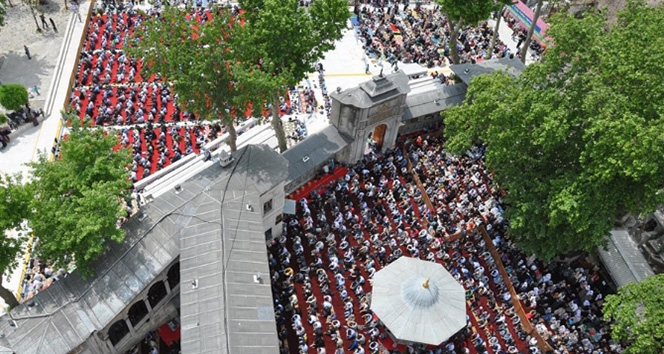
{"x": 156, "y": 293}
{"x": 118, "y": 331}
{"x": 379, "y": 135}
{"x": 375, "y": 139}
{"x": 137, "y": 312}
{"x": 174, "y": 276}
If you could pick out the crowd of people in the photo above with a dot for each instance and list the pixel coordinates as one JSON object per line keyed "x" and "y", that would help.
{"x": 519, "y": 35}
{"x": 420, "y": 35}
{"x": 565, "y": 299}
{"x": 38, "y": 277}
{"x": 344, "y": 233}
{"x": 165, "y": 143}
{"x": 145, "y": 114}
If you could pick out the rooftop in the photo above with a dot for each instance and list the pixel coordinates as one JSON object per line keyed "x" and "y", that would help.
{"x": 622, "y": 258}
{"x": 379, "y": 88}
{"x": 468, "y": 71}
{"x": 197, "y": 223}
{"x": 433, "y": 101}
{"x": 314, "y": 150}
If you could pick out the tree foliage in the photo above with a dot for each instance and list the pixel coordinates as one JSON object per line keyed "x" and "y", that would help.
{"x": 575, "y": 140}
{"x": 14, "y": 207}
{"x": 636, "y": 314}
{"x": 3, "y": 12}
{"x": 472, "y": 11}
{"x": 469, "y": 12}
{"x": 198, "y": 60}
{"x": 281, "y": 41}
{"x": 79, "y": 198}
{"x": 13, "y": 96}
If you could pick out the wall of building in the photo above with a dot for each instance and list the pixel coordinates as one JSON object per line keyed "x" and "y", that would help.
{"x": 429, "y": 122}
{"x": 161, "y": 312}
{"x": 272, "y": 218}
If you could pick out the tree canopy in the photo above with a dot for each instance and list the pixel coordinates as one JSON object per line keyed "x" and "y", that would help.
{"x": 575, "y": 140}
{"x": 470, "y": 12}
{"x": 3, "y": 12}
{"x": 281, "y": 41}
{"x": 79, "y": 198}
{"x": 636, "y": 314}
{"x": 197, "y": 58}
{"x": 14, "y": 207}
{"x": 13, "y": 96}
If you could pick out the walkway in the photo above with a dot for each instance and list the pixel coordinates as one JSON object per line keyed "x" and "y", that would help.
{"x": 25, "y": 147}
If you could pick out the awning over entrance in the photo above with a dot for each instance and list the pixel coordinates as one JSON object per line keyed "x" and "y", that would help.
{"x": 289, "y": 206}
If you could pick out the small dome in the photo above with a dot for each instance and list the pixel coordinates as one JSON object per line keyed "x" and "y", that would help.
{"x": 419, "y": 293}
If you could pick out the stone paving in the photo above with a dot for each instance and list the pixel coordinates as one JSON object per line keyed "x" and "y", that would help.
{"x": 19, "y": 30}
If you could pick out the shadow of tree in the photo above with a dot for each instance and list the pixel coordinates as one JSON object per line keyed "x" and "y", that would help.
{"x": 16, "y": 68}
{"x": 51, "y": 6}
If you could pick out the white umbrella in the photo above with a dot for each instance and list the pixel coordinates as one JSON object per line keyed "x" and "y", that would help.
{"x": 418, "y": 301}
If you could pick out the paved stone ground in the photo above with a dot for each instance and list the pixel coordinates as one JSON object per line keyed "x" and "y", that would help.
{"x": 20, "y": 29}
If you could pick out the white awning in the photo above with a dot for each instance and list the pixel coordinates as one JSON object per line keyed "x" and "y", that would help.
{"x": 418, "y": 301}
{"x": 289, "y": 206}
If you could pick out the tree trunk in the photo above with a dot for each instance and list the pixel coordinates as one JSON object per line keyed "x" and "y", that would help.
{"x": 277, "y": 126}
{"x": 495, "y": 36}
{"x": 232, "y": 135}
{"x": 531, "y": 30}
{"x": 10, "y": 3}
{"x": 35, "y": 17}
{"x": 9, "y": 298}
{"x": 454, "y": 37}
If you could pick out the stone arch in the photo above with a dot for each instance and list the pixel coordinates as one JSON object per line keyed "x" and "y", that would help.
{"x": 157, "y": 293}
{"x": 173, "y": 276}
{"x": 137, "y": 312}
{"x": 118, "y": 331}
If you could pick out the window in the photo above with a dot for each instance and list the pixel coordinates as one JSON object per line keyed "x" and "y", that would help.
{"x": 156, "y": 293}
{"x": 118, "y": 331}
{"x": 174, "y": 276}
{"x": 137, "y": 312}
{"x": 267, "y": 207}
{"x": 268, "y": 235}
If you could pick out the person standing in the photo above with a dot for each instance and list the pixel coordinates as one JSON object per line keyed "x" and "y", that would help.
{"x": 74, "y": 9}
{"x": 27, "y": 51}
{"x": 53, "y": 24}
{"x": 43, "y": 20}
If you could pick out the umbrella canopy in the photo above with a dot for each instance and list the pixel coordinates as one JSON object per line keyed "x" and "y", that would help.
{"x": 418, "y": 301}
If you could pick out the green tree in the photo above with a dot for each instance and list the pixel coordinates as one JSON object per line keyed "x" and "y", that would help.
{"x": 15, "y": 199}
{"x": 13, "y": 96}
{"x": 459, "y": 12}
{"x": 3, "y": 12}
{"x": 636, "y": 314}
{"x": 79, "y": 198}
{"x": 280, "y": 43}
{"x": 199, "y": 62}
{"x": 33, "y": 5}
{"x": 575, "y": 140}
